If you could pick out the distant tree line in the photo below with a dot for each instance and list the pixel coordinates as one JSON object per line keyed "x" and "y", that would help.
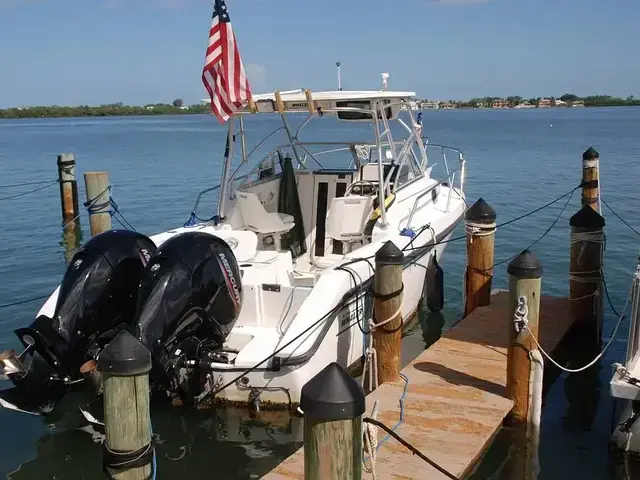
{"x": 177, "y": 107}
{"x": 590, "y": 101}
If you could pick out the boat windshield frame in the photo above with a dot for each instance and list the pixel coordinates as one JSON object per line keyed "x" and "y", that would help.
{"x": 383, "y": 110}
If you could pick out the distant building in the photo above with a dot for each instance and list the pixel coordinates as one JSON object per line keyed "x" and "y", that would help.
{"x": 430, "y": 105}
{"x": 499, "y": 103}
{"x": 578, "y": 103}
{"x": 560, "y": 103}
{"x": 545, "y": 103}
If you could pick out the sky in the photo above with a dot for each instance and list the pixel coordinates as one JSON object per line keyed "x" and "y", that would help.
{"x": 71, "y": 52}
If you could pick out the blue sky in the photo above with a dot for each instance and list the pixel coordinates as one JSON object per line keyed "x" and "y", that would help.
{"x": 142, "y": 51}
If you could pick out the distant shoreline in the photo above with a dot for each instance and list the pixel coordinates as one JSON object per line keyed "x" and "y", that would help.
{"x": 120, "y": 110}
{"x": 113, "y": 110}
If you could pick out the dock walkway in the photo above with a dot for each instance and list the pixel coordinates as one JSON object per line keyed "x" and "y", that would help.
{"x": 455, "y": 401}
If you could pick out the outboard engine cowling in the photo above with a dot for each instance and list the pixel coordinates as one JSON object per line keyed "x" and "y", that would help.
{"x": 98, "y": 293}
{"x": 189, "y": 300}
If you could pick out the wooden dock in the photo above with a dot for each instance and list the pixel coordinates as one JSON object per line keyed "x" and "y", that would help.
{"x": 455, "y": 401}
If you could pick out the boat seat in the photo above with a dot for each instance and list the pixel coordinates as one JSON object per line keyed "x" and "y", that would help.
{"x": 347, "y": 217}
{"x": 258, "y": 220}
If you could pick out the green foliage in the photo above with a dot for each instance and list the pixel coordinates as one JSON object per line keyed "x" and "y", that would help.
{"x": 110, "y": 110}
{"x": 178, "y": 102}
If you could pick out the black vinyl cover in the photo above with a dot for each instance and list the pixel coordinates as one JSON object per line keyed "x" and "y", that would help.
{"x": 289, "y": 203}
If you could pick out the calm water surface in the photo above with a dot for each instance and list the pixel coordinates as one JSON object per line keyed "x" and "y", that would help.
{"x": 516, "y": 160}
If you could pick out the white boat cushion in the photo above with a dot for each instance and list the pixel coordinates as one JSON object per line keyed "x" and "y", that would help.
{"x": 257, "y": 219}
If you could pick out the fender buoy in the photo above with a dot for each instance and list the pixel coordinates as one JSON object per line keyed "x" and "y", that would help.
{"x": 434, "y": 280}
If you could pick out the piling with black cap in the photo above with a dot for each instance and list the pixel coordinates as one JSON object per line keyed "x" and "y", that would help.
{"x": 125, "y": 364}
{"x": 480, "y": 222}
{"x": 591, "y": 179}
{"x": 387, "y": 315}
{"x": 585, "y": 270}
{"x": 332, "y": 403}
{"x": 525, "y": 279}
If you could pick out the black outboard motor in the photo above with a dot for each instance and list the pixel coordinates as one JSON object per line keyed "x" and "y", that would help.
{"x": 188, "y": 302}
{"x": 97, "y": 294}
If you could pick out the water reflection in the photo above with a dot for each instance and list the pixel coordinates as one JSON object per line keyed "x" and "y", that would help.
{"x": 432, "y": 324}
{"x": 71, "y": 239}
{"x": 583, "y": 389}
{"x": 189, "y": 444}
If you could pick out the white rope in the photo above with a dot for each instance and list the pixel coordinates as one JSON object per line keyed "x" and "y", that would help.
{"x": 370, "y": 365}
{"x": 474, "y": 229}
{"x": 371, "y": 355}
{"x": 521, "y": 321}
{"x": 370, "y": 433}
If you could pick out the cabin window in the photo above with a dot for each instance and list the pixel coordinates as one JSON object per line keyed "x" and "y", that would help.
{"x": 361, "y": 116}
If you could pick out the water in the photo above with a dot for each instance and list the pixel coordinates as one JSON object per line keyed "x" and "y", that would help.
{"x": 516, "y": 160}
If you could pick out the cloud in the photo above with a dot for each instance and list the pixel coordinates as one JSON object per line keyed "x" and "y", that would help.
{"x": 257, "y": 75}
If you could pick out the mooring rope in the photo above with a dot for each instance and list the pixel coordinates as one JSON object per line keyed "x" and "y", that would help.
{"x": 22, "y": 194}
{"x": 520, "y": 317}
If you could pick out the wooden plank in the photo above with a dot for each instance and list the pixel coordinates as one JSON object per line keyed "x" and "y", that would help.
{"x": 455, "y": 401}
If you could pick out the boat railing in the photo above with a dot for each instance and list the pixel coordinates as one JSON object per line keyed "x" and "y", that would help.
{"x": 358, "y": 150}
{"x": 449, "y": 180}
{"x": 633, "y": 344}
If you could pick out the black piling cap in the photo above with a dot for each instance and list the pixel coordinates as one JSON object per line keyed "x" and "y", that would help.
{"x": 480, "y": 212}
{"x": 525, "y": 265}
{"x": 124, "y": 356}
{"x": 332, "y": 395}
{"x": 590, "y": 154}
{"x": 389, "y": 254}
{"x": 587, "y": 217}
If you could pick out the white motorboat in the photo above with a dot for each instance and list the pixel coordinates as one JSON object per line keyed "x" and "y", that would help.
{"x": 299, "y": 233}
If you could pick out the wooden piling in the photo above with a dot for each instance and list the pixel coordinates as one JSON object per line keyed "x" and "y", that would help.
{"x": 480, "y": 222}
{"x": 332, "y": 403}
{"x": 525, "y": 278}
{"x": 591, "y": 179}
{"x": 387, "y": 288}
{"x": 585, "y": 274}
{"x": 68, "y": 186}
{"x": 98, "y": 201}
{"x": 124, "y": 365}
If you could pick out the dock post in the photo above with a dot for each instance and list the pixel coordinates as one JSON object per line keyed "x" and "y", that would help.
{"x": 480, "y": 221}
{"x": 585, "y": 274}
{"x": 387, "y": 312}
{"x": 68, "y": 186}
{"x": 128, "y": 451}
{"x": 332, "y": 403}
{"x": 98, "y": 201}
{"x": 591, "y": 179}
{"x": 525, "y": 279}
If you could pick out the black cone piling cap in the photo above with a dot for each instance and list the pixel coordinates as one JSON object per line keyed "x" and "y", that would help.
{"x": 525, "y": 265}
{"x": 124, "y": 356}
{"x": 332, "y": 395}
{"x": 590, "y": 154}
{"x": 481, "y": 212}
{"x": 389, "y": 254}
{"x": 587, "y": 217}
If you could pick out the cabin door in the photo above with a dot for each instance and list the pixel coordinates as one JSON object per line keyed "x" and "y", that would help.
{"x": 326, "y": 186}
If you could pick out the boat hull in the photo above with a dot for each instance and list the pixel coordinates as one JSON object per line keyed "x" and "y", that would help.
{"x": 269, "y": 389}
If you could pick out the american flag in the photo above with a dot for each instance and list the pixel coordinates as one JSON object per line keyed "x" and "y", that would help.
{"x": 223, "y": 74}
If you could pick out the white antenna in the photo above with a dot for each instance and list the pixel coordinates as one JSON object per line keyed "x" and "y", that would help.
{"x": 339, "y": 79}
{"x": 385, "y": 77}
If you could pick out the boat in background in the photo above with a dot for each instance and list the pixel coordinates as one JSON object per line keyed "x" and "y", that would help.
{"x": 625, "y": 382}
